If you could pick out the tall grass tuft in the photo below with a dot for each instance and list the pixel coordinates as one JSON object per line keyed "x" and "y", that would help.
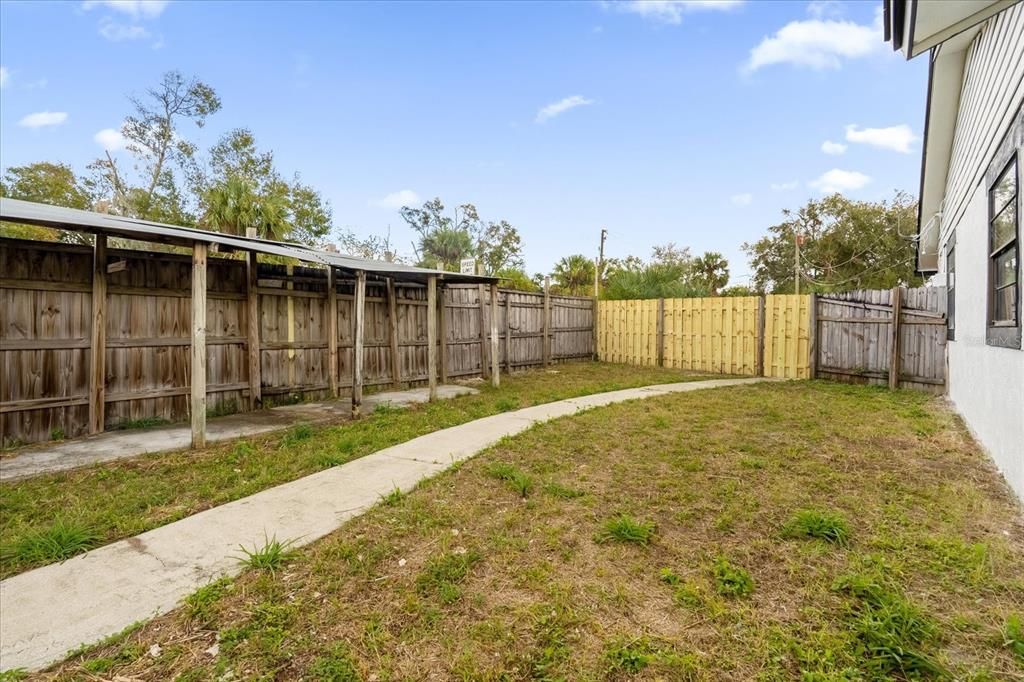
{"x": 624, "y": 528}
{"x": 61, "y": 540}
{"x": 270, "y": 557}
{"x": 812, "y": 523}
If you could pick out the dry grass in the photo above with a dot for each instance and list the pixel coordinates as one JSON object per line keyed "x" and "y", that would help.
{"x": 119, "y": 499}
{"x": 467, "y": 578}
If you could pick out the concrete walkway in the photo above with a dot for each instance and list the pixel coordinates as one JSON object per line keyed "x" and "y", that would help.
{"x": 51, "y": 610}
{"x": 80, "y": 452}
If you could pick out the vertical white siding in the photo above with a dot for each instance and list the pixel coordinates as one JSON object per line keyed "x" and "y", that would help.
{"x": 986, "y": 383}
{"x": 993, "y": 90}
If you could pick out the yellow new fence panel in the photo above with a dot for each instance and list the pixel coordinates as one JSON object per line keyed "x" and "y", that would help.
{"x": 786, "y": 336}
{"x": 715, "y": 334}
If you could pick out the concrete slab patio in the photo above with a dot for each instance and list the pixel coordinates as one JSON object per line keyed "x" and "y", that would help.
{"x": 49, "y": 611}
{"x": 105, "y": 447}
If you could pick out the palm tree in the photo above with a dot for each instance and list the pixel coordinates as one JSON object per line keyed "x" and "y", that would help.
{"x": 712, "y": 270}
{"x": 447, "y": 245}
{"x": 234, "y": 205}
{"x": 574, "y": 275}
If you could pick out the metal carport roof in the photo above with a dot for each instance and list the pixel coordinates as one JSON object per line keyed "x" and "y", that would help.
{"x": 76, "y": 220}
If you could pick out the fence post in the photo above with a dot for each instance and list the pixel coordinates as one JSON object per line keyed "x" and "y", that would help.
{"x": 396, "y": 360}
{"x": 593, "y": 323}
{"x": 98, "y": 350}
{"x": 508, "y": 332}
{"x": 759, "y": 368}
{"x": 546, "y": 344}
{"x": 485, "y": 365}
{"x": 432, "y": 336}
{"x": 660, "y": 332}
{"x": 894, "y": 339}
{"x": 442, "y": 330}
{"x": 332, "y": 330}
{"x": 198, "y": 389}
{"x": 495, "y": 353}
{"x": 358, "y": 322}
{"x": 812, "y": 341}
{"x": 252, "y": 298}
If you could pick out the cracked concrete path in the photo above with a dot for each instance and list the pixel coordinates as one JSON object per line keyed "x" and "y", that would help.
{"x": 105, "y": 447}
{"x": 49, "y": 611}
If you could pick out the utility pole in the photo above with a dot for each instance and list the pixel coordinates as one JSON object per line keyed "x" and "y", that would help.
{"x": 600, "y": 265}
{"x": 797, "y": 240}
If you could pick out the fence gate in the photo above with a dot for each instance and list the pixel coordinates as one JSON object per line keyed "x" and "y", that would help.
{"x": 895, "y": 337}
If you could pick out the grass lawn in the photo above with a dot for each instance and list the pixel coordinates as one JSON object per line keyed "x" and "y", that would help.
{"x": 52, "y": 517}
{"x": 778, "y": 531}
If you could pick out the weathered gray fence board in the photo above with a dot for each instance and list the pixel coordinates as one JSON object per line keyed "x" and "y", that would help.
{"x": 855, "y": 337}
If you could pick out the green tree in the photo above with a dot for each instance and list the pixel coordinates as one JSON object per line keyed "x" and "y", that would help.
{"x": 447, "y": 239}
{"x": 162, "y": 156}
{"x": 45, "y": 183}
{"x": 516, "y": 278}
{"x": 712, "y": 271}
{"x": 574, "y": 275}
{"x": 847, "y": 245}
{"x": 241, "y": 188}
{"x": 669, "y": 274}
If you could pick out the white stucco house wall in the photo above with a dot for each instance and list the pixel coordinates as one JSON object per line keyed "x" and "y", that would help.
{"x": 971, "y": 203}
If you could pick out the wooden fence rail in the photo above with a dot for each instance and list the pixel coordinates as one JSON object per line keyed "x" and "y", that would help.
{"x": 268, "y": 327}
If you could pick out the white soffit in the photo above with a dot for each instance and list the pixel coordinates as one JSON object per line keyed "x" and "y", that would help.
{"x": 931, "y": 22}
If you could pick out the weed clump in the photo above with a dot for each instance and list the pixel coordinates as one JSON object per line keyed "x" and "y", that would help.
{"x": 561, "y": 491}
{"x": 200, "y": 604}
{"x": 893, "y": 636}
{"x": 812, "y": 523}
{"x": 1013, "y": 635}
{"x": 731, "y": 580}
{"x": 270, "y": 557}
{"x": 62, "y": 540}
{"x": 297, "y": 434}
{"x": 336, "y": 665}
{"x": 518, "y": 480}
{"x": 624, "y": 528}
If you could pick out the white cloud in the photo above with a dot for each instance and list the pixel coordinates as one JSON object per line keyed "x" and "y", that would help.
{"x": 837, "y": 180}
{"x": 819, "y": 9}
{"x": 785, "y": 186}
{"x": 672, "y": 11}
{"x": 898, "y": 138}
{"x": 136, "y": 9}
{"x": 115, "y": 32}
{"x": 816, "y": 44}
{"x": 833, "y": 148}
{"x": 5, "y": 76}
{"x": 561, "y": 106}
{"x": 41, "y": 119}
{"x": 403, "y": 197}
{"x": 741, "y": 199}
{"x": 110, "y": 139}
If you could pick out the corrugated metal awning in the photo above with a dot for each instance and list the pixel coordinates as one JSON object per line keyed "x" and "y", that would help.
{"x": 76, "y": 220}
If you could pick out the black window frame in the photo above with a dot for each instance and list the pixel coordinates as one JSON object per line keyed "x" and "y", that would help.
{"x": 951, "y": 288}
{"x": 1005, "y": 334}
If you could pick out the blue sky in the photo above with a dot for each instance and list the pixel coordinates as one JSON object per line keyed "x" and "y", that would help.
{"x": 693, "y": 122}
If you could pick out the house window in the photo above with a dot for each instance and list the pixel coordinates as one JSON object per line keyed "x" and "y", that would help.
{"x": 1004, "y": 223}
{"x": 951, "y": 288}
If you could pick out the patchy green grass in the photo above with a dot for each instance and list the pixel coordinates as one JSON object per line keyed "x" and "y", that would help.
{"x": 464, "y": 579}
{"x": 127, "y": 497}
{"x": 812, "y": 523}
{"x": 517, "y": 480}
{"x": 624, "y": 528}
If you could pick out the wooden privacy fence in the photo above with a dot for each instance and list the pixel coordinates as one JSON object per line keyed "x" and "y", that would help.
{"x": 895, "y": 337}
{"x": 47, "y": 335}
{"x": 853, "y": 336}
{"x": 748, "y": 335}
